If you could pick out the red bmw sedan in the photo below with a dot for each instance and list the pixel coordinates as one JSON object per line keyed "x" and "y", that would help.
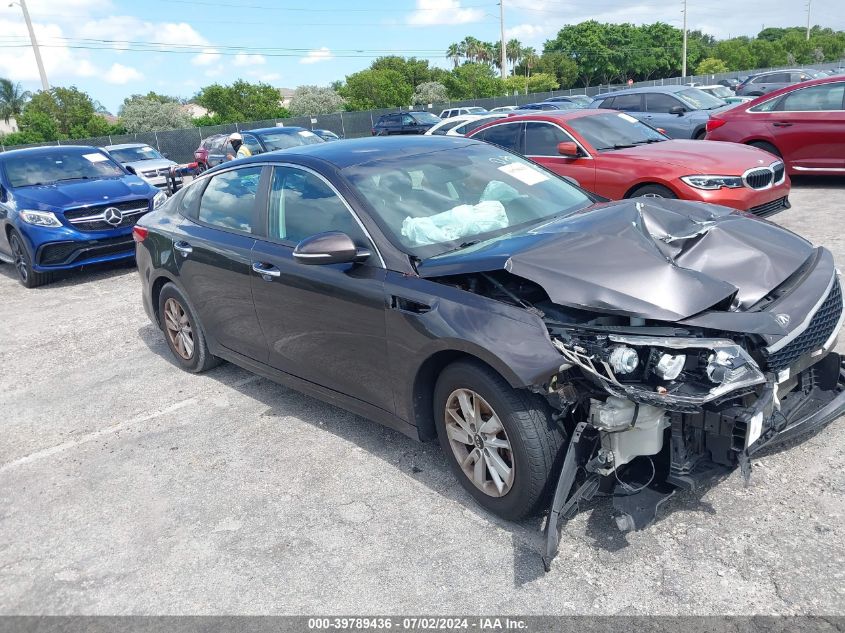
{"x": 804, "y": 124}
{"x": 616, "y": 156}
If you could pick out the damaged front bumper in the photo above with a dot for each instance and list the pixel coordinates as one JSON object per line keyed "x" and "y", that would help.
{"x": 698, "y": 446}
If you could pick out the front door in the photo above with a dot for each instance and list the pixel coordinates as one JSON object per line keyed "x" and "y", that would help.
{"x": 658, "y": 115}
{"x": 541, "y": 141}
{"x": 323, "y": 323}
{"x": 213, "y": 250}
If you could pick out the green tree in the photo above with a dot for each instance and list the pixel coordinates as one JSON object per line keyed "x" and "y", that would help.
{"x": 559, "y": 66}
{"x": 539, "y": 82}
{"x": 586, "y": 44}
{"x": 61, "y": 113}
{"x": 415, "y": 71}
{"x": 370, "y": 89}
{"x": 711, "y": 66}
{"x": 474, "y": 81}
{"x": 147, "y": 114}
{"x": 12, "y": 99}
{"x": 430, "y": 92}
{"x": 315, "y": 100}
{"x": 242, "y": 101}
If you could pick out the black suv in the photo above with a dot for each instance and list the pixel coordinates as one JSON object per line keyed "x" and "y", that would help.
{"x": 404, "y": 123}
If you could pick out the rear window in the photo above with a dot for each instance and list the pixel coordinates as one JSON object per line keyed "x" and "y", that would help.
{"x": 425, "y": 117}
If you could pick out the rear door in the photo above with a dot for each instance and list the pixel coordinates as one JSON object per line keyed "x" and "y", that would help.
{"x": 322, "y": 323}
{"x": 808, "y": 126}
{"x": 253, "y": 144}
{"x": 541, "y": 141}
{"x": 214, "y": 257}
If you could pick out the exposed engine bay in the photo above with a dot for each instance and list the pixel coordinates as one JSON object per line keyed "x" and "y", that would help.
{"x": 656, "y": 397}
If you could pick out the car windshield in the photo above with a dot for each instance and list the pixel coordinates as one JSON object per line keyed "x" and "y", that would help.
{"x": 60, "y": 165}
{"x": 425, "y": 117}
{"x": 476, "y": 110}
{"x": 135, "y": 154}
{"x": 614, "y": 131}
{"x": 283, "y": 140}
{"x": 581, "y": 99}
{"x": 699, "y": 100}
{"x": 442, "y": 200}
{"x": 720, "y": 91}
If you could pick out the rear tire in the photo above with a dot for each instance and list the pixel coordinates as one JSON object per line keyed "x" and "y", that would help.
{"x": 699, "y": 136}
{"x": 652, "y": 191}
{"x": 515, "y": 436}
{"x": 183, "y": 332}
{"x": 767, "y": 147}
{"x": 23, "y": 264}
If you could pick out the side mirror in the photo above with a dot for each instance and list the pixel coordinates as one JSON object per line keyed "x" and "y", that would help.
{"x": 131, "y": 170}
{"x": 678, "y": 109}
{"x": 4, "y": 197}
{"x": 331, "y": 247}
{"x": 568, "y": 149}
{"x": 166, "y": 155}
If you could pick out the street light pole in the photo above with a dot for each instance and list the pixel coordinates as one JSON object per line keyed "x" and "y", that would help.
{"x": 503, "y": 60}
{"x": 808, "y": 19}
{"x": 41, "y": 71}
{"x": 684, "y": 61}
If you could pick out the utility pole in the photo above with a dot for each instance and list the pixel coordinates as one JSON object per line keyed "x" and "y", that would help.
{"x": 684, "y": 61}
{"x": 503, "y": 58}
{"x": 41, "y": 71}
{"x": 808, "y": 19}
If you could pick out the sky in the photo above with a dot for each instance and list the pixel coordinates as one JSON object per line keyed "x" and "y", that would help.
{"x": 114, "y": 48}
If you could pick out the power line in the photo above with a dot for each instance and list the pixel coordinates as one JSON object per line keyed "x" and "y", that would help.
{"x": 301, "y": 10}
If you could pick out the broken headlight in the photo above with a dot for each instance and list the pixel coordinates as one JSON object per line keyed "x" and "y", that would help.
{"x": 713, "y": 182}
{"x": 683, "y": 370}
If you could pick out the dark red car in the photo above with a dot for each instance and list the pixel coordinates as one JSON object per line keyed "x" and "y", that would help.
{"x": 804, "y": 124}
{"x": 617, "y": 156}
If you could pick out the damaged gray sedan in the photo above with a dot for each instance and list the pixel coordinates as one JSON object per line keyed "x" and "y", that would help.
{"x": 557, "y": 346}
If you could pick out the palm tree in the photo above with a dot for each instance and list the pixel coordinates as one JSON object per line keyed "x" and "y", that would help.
{"x": 485, "y": 52}
{"x": 12, "y": 99}
{"x": 455, "y": 53}
{"x": 472, "y": 48}
{"x": 529, "y": 58}
{"x": 513, "y": 52}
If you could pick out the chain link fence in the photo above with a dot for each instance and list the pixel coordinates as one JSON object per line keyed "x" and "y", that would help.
{"x": 179, "y": 145}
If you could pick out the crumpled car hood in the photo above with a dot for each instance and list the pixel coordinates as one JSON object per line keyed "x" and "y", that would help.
{"x": 650, "y": 258}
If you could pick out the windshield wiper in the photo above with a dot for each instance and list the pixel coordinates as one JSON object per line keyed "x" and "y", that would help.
{"x": 651, "y": 140}
{"x": 73, "y": 178}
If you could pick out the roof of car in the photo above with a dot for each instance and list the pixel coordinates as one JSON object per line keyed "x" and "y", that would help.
{"x": 552, "y": 115}
{"x": 125, "y": 146}
{"x": 633, "y": 91}
{"x": 742, "y": 107}
{"x": 363, "y": 150}
{"x": 290, "y": 129}
{"x": 44, "y": 150}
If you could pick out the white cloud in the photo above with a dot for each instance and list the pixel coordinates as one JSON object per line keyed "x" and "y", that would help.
{"x": 268, "y": 77}
{"x": 245, "y": 59}
{"x": 531, "y": 32}
{"x": 18, "y": 64}
{"x": 120, "y": 74}
{"x": 433, "y": 12}
{"x": 208, "y": 57}
{"x": 317, "y": 55}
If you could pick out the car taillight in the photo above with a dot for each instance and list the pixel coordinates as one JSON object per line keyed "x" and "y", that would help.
{"x": 713, "y": 124}
{"x": 139, "y": 233}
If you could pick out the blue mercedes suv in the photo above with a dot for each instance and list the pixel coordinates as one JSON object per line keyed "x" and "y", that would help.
{"x": 68, "y": 206}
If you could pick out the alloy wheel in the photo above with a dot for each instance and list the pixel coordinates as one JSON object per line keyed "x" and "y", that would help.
{"x": 479, "y": 442}
{"x": 19, "y": 257}
{"x": 178, "y": 328}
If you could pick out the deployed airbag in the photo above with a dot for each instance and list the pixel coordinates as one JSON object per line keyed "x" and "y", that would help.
{"x": 461, "y": 221}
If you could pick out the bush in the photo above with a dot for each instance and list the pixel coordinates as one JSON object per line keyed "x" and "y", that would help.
{"x": 310, "y": 100}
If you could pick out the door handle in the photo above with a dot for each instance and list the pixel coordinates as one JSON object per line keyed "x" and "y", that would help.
{"x": 184, "y": 248}
{"x": 781, "y": 124}
{"x": 267, "y": 271}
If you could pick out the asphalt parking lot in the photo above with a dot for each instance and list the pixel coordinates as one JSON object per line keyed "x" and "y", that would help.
{"x": 130, "y": 487}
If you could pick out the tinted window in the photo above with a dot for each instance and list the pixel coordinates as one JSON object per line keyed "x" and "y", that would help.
{"x": 446, "y": 127}
{"x": 229, "y": 200}
{"x": 505, "y": 135}
{"x": 657, "y": 102}
{"x": 815, "y": 98}
{"x": 291, "y": 138}
{"x": 189, "y": 199}
{"x": 774, "y": 78}
{"x": 133, "y": 154}
{"x": 302, "y": 205}
{"x": 796, "y": 77}
{"x": 425, "y": 118}
{"x": 407, "y": 119}
{"x": 541, "y": 139}
{"x": 698, "y": 99}
{"x": 469, "y": 126}
{"x": 630, "y": 103}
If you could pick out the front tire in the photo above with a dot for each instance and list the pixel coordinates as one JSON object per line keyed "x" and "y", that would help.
{"x": 23, "y": 264}
{"x": 183, "y": 332}
{"x": 653, "y": 191}
{"x": 766, "y": 147}
{"x": 500, "y": 442}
